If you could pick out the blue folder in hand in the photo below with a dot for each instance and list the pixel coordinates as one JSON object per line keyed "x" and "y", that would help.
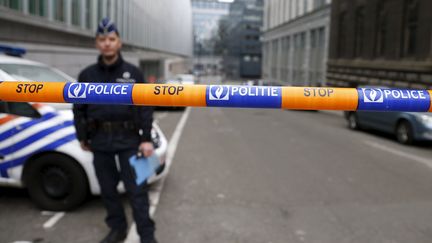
{"x": 144, "y": 167}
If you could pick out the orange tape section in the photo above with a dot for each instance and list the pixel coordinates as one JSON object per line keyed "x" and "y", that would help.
{"x": 169, "y": 95}
{"x": 308, "y": 98}
{"x": 32, "y": 91}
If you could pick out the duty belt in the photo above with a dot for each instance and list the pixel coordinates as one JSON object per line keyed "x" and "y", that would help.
{"x": 110, "y": 126}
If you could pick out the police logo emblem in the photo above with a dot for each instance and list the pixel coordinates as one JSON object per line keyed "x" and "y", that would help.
{"x": 218, "y": 92}
{"x": 373, "y": 95}
{"x": 77, "y": 91}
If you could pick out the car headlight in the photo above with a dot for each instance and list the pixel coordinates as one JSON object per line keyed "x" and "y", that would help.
{"x": 155, "y": 139}
{"x": 425, "y": 119}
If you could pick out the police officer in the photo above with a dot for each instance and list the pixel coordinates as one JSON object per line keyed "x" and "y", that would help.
{"x": 111, "y": 131}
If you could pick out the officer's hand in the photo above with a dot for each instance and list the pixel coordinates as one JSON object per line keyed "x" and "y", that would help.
{"x": 146, "y": 148}
{"x": 84, "y": 146}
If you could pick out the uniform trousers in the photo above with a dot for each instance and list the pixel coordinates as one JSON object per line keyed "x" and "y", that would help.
{"x": 109, "y": 176}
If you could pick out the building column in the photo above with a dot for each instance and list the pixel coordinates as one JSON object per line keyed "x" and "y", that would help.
{"x": 265, "y": 14}
{"x": 287, "y": 10}
{"x": 50, "y": 13}
{"x": 310, "y": 5}
{"x": 82, "y": 10}
{"x": 273, "y": 13}
{"x": 93, "y": 15}
{"x": 103, "y": 3}
{"x": 111, "y": 10}
{"x": 119, "y": 15}
{"x": 25, "y": 6}
{"x": 68, "y": 11}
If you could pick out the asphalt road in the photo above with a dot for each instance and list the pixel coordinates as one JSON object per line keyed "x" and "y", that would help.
{"x": 245, "y": 175}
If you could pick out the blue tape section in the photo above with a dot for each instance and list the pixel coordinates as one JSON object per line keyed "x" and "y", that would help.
{"x": 244, "y": 96}
{"x": 21, "y": 160}
{"x": 33, "y": 138}
{"x": 379, "y": 99}
{"x": 22, "y": 127}
{"x": 98, "y": 93}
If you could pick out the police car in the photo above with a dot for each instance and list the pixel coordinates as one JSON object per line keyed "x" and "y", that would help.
{"x": 39, "y": 149}
{"x": 408, "y": 127}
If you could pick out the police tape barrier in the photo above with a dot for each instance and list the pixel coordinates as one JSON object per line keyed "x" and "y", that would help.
{"x": 302, "y": 98}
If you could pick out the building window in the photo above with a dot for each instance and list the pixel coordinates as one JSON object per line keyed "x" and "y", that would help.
{"x": 12, "y": 4}
{"x": 285, "y": 57}
{"x": 381, "y": 33}
{"x": 411, "y": 8}
{"x": 303, "y": 40}
{"x": 321, "y": 37}
{"x": 342, "y": 34}
{"x": 319, "y": 3}
{"x": 274, "y": 54}
{"x": 59, "y": 10}
{"x": 76, "y": 17}
{"x": 359, "y": 31}
{"x": 37, "y": 7}
{"x": 314, "y": 38}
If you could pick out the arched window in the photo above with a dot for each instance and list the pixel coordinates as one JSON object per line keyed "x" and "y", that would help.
{"x": 359, "y": 30}
{"x": 410, "y": 26}
{"x": 382, "y": 28}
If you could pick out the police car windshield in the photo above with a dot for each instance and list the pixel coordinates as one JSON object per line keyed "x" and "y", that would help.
{"x": 33, "y": 73}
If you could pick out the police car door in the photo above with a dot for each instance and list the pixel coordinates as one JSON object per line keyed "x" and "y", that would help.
{"x": 13, "y": 119}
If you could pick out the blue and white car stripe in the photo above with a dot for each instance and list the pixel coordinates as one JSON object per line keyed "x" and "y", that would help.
{"x": 33, "y": 138}
{"x": 22, "y": 137}
{"x": 17, "y": 128}
{"x": 21, "y": 159}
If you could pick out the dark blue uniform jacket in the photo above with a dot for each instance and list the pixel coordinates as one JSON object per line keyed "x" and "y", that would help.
{"x": 88, "y": 116}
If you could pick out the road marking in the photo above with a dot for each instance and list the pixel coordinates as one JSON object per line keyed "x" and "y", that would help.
{"x": 53, "y": 220}
{"x": 427, "y": 162}
{"x": 154, "y": 195}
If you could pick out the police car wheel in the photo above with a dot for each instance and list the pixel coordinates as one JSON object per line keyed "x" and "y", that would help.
{"x": 404, "y": 133}
{"x": 56, "y": 182}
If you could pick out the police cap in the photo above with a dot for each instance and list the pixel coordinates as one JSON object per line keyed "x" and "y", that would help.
{"x": 106, "y": 26}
